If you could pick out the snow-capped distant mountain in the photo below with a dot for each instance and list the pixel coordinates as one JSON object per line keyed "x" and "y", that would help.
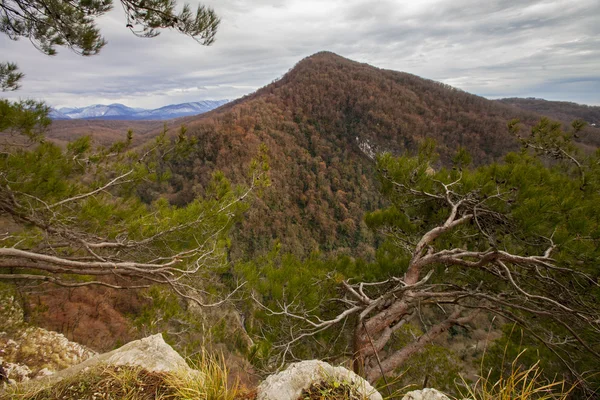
{"x": 182, "y": 110}
{"x": 121, "y": 112}
{"x": 55, "y": 114}
{"x": 98, "y": 111}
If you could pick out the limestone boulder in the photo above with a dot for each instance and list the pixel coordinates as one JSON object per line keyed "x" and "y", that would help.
{"x": 150, "y": 353}
{"x": 289, "y": 384}
{"x": 425, "y": 394}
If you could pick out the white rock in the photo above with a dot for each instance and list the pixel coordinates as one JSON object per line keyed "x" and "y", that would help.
{"x": 289, "y": 384}
{"x": 43, "y": 372}
{"x": 425, "y": 394}
{"x": 151, "y": 353}
{"x": 38, "y": 348}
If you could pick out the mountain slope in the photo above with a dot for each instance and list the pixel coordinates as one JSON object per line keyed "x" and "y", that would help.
{"x": 565, "y": 112}
{"x": 558, "y": 110}
{"x": 104, "y": 132}
{"x": 322, "y": 123}
{"x": 122, "y": 112}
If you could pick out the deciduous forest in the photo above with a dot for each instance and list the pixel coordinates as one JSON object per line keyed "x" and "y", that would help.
{"x": 358, "y": 215}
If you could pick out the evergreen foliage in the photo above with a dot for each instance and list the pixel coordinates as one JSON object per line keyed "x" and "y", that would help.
{"x": 48, "y": 24}
{"x": 9, "y": 76}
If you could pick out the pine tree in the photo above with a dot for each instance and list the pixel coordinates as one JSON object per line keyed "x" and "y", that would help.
{"x": 48, "y": 24}
{"x": 519, "y": 239}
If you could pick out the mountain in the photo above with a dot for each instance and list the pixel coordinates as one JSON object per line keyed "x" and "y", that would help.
{"x": 322, "y": 123}
{"x": 121, "y": 112}
{"x": 181, "y": 110}
{"x": 111, "y": 111}
{"x": 58, "y": 115}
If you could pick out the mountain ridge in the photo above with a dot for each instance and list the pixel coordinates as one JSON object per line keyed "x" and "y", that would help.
{"x": 117, "y": 111}
{"x": 565, "y": 111}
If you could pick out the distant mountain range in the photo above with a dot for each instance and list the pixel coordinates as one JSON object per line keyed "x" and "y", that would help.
{"x": 122, "y": 112}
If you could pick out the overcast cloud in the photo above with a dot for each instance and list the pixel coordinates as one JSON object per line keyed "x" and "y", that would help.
{"x": 494, "y": 48}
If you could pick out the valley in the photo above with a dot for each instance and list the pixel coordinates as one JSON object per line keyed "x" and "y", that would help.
{"x": 328, "y": 195}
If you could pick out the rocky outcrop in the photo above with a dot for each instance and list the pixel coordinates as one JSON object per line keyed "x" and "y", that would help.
{"x": 153, "y": 354}
{"x": 11, "y": 312}
{"x": 425, "y": 394}
{"x": 150, "y": 353}
{"x": 32, "y": 352}
{"x": 289, "y": 384}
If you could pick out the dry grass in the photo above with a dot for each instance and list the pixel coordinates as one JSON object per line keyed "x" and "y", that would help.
{"x": 100, "y": 383}
{"x": 519, "y": 384}
{"x": 208, "y": 382}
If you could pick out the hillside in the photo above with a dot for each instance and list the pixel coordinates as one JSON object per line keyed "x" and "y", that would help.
{"x": 566, "y": 112}
{"x": 322, "y": 123}
{"x": 558, "y": 110}
{"x": 103, "y": 132}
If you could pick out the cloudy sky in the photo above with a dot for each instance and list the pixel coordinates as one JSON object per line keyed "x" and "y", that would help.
{"x": 493, "y": 48}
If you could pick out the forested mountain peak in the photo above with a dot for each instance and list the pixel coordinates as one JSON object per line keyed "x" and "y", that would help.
{"x": 390, "y": 110}
{"x": 323, "y": 122}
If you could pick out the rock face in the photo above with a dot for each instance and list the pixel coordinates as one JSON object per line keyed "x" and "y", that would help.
{"x": 10, "y": 312}
{"x": 288, "y": 385}
{"x": 425, "y": 394}
{"x": 29, "y": 352}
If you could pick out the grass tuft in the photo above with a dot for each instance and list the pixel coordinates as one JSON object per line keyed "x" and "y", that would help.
{"x": 209, "y": 380}
{"x": 520, "y": 384}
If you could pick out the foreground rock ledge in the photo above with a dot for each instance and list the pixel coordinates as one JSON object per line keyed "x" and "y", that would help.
{"x": 150, "y": 353}
{"x": 288, "y": 385}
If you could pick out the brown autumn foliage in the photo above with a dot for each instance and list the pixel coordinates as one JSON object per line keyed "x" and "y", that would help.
{"x": 93, "y": 316}
{"x": 558, "y": 110}
{"x": 103, "y": 132}
{"x": 322, "y": 122}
